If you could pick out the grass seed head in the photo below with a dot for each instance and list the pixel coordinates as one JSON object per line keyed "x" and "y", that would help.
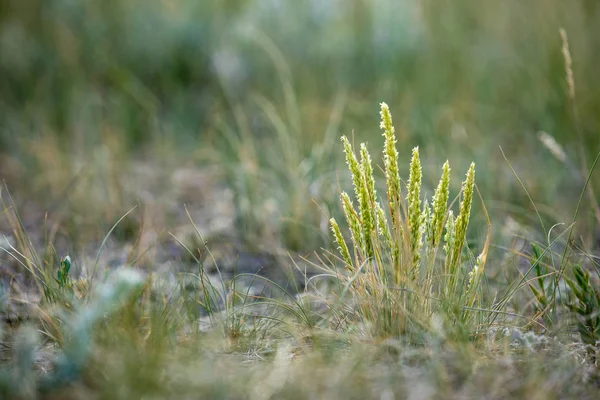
{"x": 414, "y": 206}
{"x": 440, "y": 203}
{"x": 390, "y": 157}
{"x": 339, "y": 239}
{"x": 462, "y": 221}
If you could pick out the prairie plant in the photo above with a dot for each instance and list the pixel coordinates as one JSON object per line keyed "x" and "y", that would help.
{"x": 394, "y": 273}
{"x": 542, "y": 284}
{"x": 586, "y": 305}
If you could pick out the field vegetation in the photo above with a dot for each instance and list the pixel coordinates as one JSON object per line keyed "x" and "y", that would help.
{"x": 247, "y": 199}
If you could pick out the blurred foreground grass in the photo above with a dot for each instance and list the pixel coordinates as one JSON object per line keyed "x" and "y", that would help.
{"x": 108, "y": 104}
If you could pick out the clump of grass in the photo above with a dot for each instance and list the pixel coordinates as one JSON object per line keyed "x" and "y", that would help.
{"x": 586, "y": 305}
{"x": 394, "y": 272}
{"x": 541, "y": 285}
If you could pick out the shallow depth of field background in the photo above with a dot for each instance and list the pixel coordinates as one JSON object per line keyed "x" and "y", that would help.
{"x": 262, "y": 90}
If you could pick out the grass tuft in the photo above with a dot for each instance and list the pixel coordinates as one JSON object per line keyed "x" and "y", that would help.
{"x": 395, "y": 290}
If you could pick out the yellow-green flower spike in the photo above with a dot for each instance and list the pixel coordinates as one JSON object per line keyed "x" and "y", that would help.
{"x": 426, "y": 217}
{"x": 440, "y": 203}
{"x": 355, "y": 168}
{"x": 353, "y": 221}
{"x": 367, "y": 172}
{"x": 462, "y": 221}
{"x": 390, "y": 157}
{"x": 342, "y": 247}
{"x": 414, "y": 206}
{"x": 367, "y": 199}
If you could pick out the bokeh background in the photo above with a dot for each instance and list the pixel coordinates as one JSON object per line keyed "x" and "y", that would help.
{"x": 107, "y": 104}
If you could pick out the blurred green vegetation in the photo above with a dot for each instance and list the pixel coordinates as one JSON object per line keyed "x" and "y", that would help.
{"x": 181, "y": 78}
